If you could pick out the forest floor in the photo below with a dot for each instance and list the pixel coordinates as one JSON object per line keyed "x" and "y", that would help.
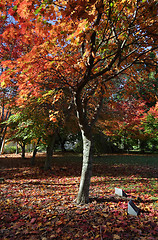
{"x": 35, "y": 204}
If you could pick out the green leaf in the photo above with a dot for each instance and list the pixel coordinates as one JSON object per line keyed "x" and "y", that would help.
{"x": 152, "y": 55}
{"x": 15, "y": 7}
{"x": 45, "y": 22}
{"x": 38, "y": 9}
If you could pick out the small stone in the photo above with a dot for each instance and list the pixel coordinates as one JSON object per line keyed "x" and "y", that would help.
{"x": 120, "y": 192}
{"x": 133, "y": 209}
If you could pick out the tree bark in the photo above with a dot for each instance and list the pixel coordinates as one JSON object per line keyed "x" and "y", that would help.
{"x": 62, "y": 142}
{"x": 142, "y": 146}
{"x": 23, "y": 150}
{"x": 50, "y": 149}
{"x": 2, "y": 146}
{"x": 3, "y": 128}
{"x": 17, "y": 149}
{"x": 2, "y": 140}
{"x": 34, "y": 152}
{"x": 83, "y": 194}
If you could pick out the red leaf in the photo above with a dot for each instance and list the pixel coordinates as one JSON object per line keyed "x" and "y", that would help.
{"x": 33, "y": 220}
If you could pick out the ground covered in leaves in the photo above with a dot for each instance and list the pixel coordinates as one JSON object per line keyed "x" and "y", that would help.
{"x": 35, "y": 204}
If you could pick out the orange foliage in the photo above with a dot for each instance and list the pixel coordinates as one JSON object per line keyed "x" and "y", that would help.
{"x": 77, "y": 45}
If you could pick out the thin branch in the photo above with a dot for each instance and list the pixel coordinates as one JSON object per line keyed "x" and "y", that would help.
{"x": 113, "y": 61}
{"x": 130, "y": 25}
{"x": 128, "y": 66}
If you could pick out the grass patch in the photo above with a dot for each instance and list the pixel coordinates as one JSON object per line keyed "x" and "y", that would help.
{"x": 140, "y": 160}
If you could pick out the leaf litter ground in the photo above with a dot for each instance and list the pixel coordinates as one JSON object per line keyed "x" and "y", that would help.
{"x": 35, "y": 204}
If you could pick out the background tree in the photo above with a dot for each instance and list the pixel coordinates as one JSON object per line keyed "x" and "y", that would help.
{"x": 149, "y": 129}
{"x": 20, "y": 130}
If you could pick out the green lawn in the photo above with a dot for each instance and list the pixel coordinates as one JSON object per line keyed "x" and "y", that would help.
{"x": 112, "y": 159}
{"x": 145, "y": 160}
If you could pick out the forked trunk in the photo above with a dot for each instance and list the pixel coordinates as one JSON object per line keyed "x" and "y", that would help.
{"x": 83, "y": 194}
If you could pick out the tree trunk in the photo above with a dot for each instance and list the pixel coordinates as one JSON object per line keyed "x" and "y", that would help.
{"x": 17, "y": 148}
{"x": 3, "y": 129}
{"x": 142, "y": 146}
{"x": 34, "y": 152}
{"x": 2, "y": 140}
{"x": 85, "y": 125}
{"x": 83, "y": 194}
{"x": 2, "y": 146}
{"x": 62, "y": 143}
{"x": 50, "y": 149}
{"x": 23, "y": 150}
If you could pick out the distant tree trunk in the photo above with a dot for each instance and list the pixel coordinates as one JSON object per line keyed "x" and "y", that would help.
{"x": 50, "y": 149}
{"x": 142, "y": 146}
{"x": 83, "y": 194}
{"x": 2, "y": 146}
{"x": 2, "y": 140}
{"x": 35, "y": 151}
{"x": 63, "y": 146}
{"x": 62, "y": 142}
{"x": 17, "y": 148}
{"x": 22, "y": 145}
{"x": 3, "y": 129}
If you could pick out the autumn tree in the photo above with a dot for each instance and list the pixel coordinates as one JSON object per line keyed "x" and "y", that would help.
{"x": 13, "y": 44}
{"x": 48, "y": 114}
{"x": 20, "y": 131}
{"x": 149, "y": 129}
{"x": 85, "y": 45}
{"x": 123, "y": 121}
{"x": 38, "y": 118}
{"x": 113, "y": 38}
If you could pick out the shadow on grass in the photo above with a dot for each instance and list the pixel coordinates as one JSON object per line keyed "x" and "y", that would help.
{"x": 70, "y": 166}
{"x": 119, "y": 199}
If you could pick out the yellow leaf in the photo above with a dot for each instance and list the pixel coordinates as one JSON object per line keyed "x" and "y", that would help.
{"x": 3, "y": 84}
{"x": 98, "y": 236}
{"x": 115, "y": 236}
